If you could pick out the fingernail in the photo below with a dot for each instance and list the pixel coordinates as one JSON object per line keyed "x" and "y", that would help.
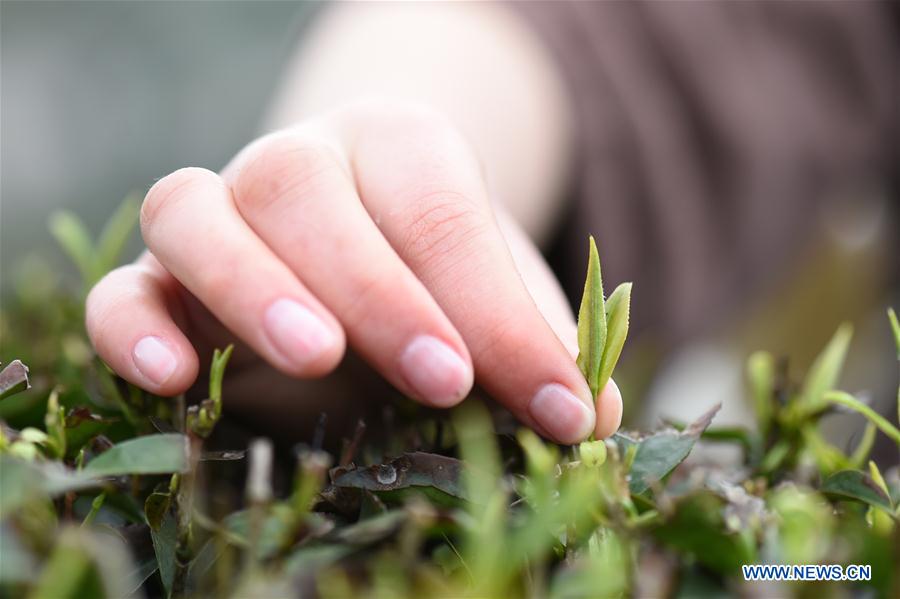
{"x": 154, "y": 359}
{"x": 299, "y": 335}
{"x": 561, "y": 413}
{"x": 435, "y": 371}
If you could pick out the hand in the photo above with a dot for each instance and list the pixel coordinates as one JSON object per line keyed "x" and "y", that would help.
{"x": 369, "y": 225}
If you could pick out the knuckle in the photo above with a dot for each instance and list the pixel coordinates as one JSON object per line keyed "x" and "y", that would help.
{"x": 220, "y": 283}
{"x": 375, "y": 287}
{"x": 282, "y": 165}
{"x": 504, "y": 343}
{"x": 441, "y": 224}
{"x": 172, "y": 189}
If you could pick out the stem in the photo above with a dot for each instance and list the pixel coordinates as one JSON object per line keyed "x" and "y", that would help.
{"x": 847, "y": 400}
{"x": 259, "y": 494}
{"x": 184, "y": 509}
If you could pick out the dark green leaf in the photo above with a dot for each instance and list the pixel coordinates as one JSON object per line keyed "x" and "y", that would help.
{"x": 21, "y": 482}
{"x": 227, "y": 455}
{"x": 152, "y": 454}
{"x": 165, "y": 545}
{"x": 658, "y": 454}
{"x": 416, "y": 469}
{"x": 155, "y": 508}
{"x": 856, "y": 486}
{"x": 13, "y": 379}
{"x": 81, "y": 427}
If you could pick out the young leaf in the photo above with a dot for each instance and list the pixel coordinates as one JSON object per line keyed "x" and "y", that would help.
{"x": 115, "y": 234}
{"x": 618, "y": 307}
{"x": 864, "y": 447}
{"x": 761, "y": 376}
{"x": 71, "y": 234}
{"x": 848, "y": 401}
{"x": 216, "y": 374}
{"x": 875, "y": 473}
{"x": 824, "y": 373}
{"x": 592, "y": 322}
{"x": 151, "y": 454}
{"x": 857, "y": 486}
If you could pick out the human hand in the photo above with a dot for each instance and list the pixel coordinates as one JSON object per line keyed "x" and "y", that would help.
{"x": 369, "y": 225}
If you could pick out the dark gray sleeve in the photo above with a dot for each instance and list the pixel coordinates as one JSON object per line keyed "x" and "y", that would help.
{"x": 710, "y": 134}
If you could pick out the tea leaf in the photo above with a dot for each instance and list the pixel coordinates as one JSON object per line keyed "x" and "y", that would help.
{"x": 848, "y": 401}
{"x": 761, "y": 376}
{"x": 115, "y": 234}
{"x": 415, "y": 469}
{"x": 151, "y": 454}
{"x": 81, "y": 427}
{"x": 71, "y": 234}
{"x": 216, "y": 374}
{"x": 875, "y": 473}
{"x": 828, "y": 457}
{"x": 824, "y": 373}
{"x": 164, "y": 545}
{"x": 22, "y": 481}
{"x": 856, "y": 486}
{"x": 156, "y": 507}
{"x": 618, "y": 307}
{"x": 592, "y": 322}
{"x": 659, "y": 454}
{"x": 13, "y": 379}
{"x": 864, "y": 446}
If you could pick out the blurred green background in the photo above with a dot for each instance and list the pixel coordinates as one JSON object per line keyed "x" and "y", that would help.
{"x": 98, "y": 99}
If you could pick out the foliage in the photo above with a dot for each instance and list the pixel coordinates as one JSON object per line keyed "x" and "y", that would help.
{"x": 107, "y": 491}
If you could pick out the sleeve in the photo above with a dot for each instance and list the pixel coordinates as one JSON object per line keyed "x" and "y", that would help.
{"x": 711, "y": 134}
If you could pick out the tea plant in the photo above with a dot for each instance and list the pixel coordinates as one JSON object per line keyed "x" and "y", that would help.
{"x": 106, "y": 491}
